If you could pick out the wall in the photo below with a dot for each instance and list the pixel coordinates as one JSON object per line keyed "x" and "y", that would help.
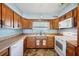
{"x": 9, "y": 32}
{"x": 36, "y": 31}
{"x": 73, "y": 30}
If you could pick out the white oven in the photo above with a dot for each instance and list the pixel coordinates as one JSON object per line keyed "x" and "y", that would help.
{"x": 60, "y": 45}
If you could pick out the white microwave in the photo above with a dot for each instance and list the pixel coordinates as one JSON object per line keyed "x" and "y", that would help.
{"x": 67, "y": 23}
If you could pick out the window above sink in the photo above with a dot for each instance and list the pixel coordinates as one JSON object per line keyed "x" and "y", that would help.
{"x": 40, "y": 27}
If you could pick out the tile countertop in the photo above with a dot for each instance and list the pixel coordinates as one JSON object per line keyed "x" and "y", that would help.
{"x": 73, "y": 42}
{"x": 4, "y": 44}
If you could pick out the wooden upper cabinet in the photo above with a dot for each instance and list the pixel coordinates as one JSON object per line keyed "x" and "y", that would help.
{"x": 62, "y": 18}
{"x": 75, "y": 16}
{"x": 20, "y": 22}
{"x": 3, "y": 14}
{"x": 26, "y": 24}
{"x": 29, "y": 24}
{"x": 7, "y": 17}
{"x": 0, "y": 16}
{"x": 54, "y": 24}
{"x": 16, "y": 21}
{"x": 69, "y": 14}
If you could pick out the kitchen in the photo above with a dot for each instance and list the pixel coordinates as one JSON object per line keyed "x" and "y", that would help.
{"x": 39, "y": 29}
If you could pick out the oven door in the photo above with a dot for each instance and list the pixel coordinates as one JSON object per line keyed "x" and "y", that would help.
{"x": 60, "y": 46}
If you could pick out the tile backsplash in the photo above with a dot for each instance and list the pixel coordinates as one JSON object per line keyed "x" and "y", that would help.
{"x": 69, "y": 32}
{"x": 38, "y": 31}
{"x": 9, "y": 32}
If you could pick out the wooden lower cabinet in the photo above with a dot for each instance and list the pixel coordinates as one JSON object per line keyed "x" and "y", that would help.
{"x": 25, "y": 43}
{"x": 37, "y": 43}
{"x": 30, "y": 42}
{"x": 71, "y": 50}
{"x": 44, "y": 43}
{"x": 4, "y": 52}
{"x": 51, "y": 42}
{"x": 33, "y": 42}
{"x": 41, "y": 43}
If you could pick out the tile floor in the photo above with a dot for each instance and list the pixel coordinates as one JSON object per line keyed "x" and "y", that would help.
{"x": 40, "y": 52}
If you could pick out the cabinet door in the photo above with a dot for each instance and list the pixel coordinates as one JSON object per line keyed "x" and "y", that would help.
{"x": 54, "y": 24}
{"x": 29, "y": 25}
{"x": 25, "y": 44}
{"x": 62, "y": 18}
{"x": 69, "y": 14}
{"x": 31, "y": 42}
{"x": 7, "y": 17}
{"x": 20, "y": 22}
{"x": 3, "y": 15}
{"x": 38, "y": 43}
{"x": 16, "y": 21}
{"x": 44, "y": 43}
{"x": 50, "y": 42}
{"x": 24, "y": 23}
{"x": 0, "y": 16}
{"x": 70, "y": 50}
{"x": 51, "y": 25}
{"x": 75, "y": 16}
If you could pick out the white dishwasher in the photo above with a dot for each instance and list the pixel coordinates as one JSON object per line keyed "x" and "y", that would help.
{"x": 17, "y": 49}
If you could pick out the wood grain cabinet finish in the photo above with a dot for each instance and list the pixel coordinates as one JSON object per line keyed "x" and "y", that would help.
{"x": 30, "y": 42}
{"x": 51, "y": 42}
{"x": 7, "y": 17}
{"x": 27, "y": 24}
{"x": 62, "y": 18}
{"x": 54, "y": 24}
{"x": 0, "y": 15}
{"x": 75, "y": 16}
{"x": 38, "y": 43}
{"x": 69, "y": 14}
{"x": 20, "y": 22}
{"x": 4, "y": 52}
{"x": 16, "y": 21}
{"x": 24, "y": 23}
{"x": 25, "y": 43}
{"x": 44, "y": 43}
{"x": 71, "y": 50}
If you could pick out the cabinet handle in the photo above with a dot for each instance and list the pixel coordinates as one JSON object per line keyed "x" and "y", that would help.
{"x": 18, "y": 25}
{"x": 1, "y": 22}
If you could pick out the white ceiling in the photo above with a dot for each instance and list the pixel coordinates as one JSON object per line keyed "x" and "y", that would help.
{"x": 41, "y": 9}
